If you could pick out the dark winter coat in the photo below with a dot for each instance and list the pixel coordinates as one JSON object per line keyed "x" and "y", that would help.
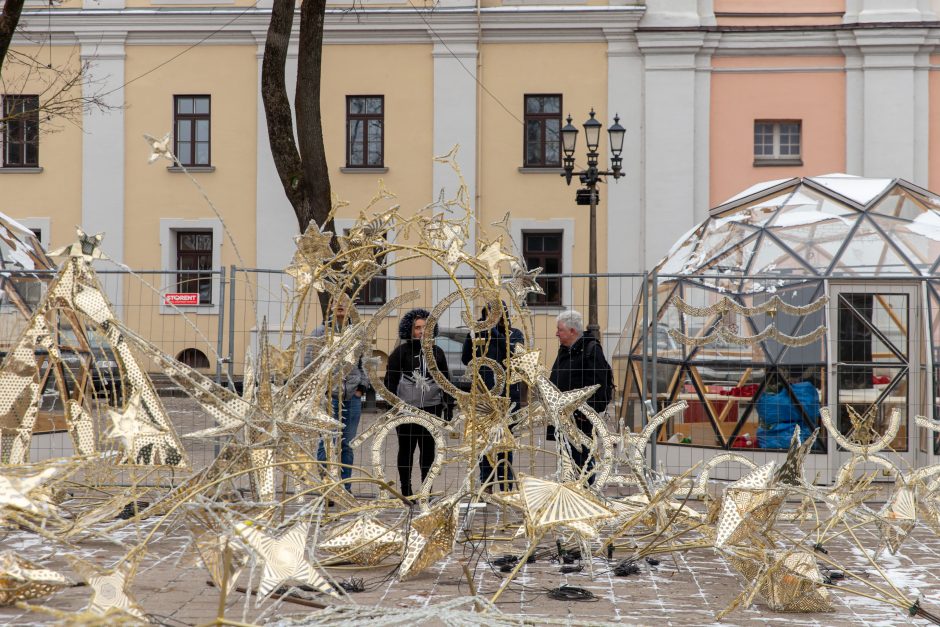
{"x": 581, "y": 365}
{"x": 408, "y": 357}
{"x": 498, "y": 351}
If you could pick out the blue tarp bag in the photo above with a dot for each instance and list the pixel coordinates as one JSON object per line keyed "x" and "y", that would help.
{"x": 778, "y": 415}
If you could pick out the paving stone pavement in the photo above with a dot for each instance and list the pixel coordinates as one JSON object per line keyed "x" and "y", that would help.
{"x": 687, "y": 590}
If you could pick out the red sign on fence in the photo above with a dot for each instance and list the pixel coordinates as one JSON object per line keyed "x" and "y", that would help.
{"x": 185, "y": 298}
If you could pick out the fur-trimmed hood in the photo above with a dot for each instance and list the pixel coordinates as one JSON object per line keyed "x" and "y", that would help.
{"x": 408, "y": 322}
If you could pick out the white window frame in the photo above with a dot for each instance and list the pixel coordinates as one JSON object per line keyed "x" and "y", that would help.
{"x": 168, "y": 229}
{"x": 391, "y": 287}
{"x": 776, "y": 158}
{"x": 566, "y": 226}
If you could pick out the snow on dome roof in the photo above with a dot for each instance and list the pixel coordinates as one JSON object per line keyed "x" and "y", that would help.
{"x": 834, "y": 224}
{"x": 856, "y": 188}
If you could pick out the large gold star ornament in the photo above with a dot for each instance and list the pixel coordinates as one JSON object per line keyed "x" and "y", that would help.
{"x": 492, "y": 256}
{"x": 284, "y": 557}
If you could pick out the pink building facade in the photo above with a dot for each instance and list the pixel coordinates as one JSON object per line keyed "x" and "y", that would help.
{"x": 735, "y": 92}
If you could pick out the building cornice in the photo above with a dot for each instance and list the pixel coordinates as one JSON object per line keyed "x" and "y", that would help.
{"x": 232, "y": 25}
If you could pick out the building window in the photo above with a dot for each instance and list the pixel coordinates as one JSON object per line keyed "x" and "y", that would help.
{"x": 543, "y": 131}
{"x": 20, "y": 131}
{"x": 365, "y": 131}
{"x": 777, "y": 142}
{"x": 375, "y": 292}
{"x": 542, "y": 249}
{"x": 194, "y": 264}
{"x": 193, "y": 357}
{"x": 191, "y": 116}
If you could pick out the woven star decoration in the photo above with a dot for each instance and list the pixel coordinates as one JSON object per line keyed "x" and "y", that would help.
{"x": 747, "y": 505}
{"x": 128, "y": 427}
{"x": 561, "y": 404}
{"x": 87, "y": 248}
{"x": 791, "y": 471}
{"x": 363, "y": 541}
{"x": 523, "y": 281}
{"x": 159, "y": 148}
{"x": 21, "y": 580}
{"x": 15, "y": 492}
{"x": 788, "y": 581}
{"x": 313, "y": 247}
{"x": 525, "y": 365}
{"x": 431, "y": 538}
{"x": 214, "y": 549}
{"x": 109, "y": 588}
{"x": 492, "y": 256}
{"x": 284, "y": 557}
{"x": 549, "y": 504}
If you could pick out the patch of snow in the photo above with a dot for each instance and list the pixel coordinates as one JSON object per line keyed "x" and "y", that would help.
{"x": 926, "y": 224}
{"x": 799, "y": 218}
{"x": 753, "y": 189}
{"x": 18, "y": 251}
{"x": 861, "y": 190}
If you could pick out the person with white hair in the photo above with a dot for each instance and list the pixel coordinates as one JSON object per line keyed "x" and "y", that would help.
{"x": 581, "y": 363}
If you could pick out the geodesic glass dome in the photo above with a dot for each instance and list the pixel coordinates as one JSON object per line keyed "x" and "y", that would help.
{"x": 792, "y": 296}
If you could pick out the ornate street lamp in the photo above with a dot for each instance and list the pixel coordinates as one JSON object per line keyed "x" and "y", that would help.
{"x": 588, "y": 194}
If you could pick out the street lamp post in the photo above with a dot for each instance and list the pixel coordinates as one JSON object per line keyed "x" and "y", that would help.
{"x": 588, "y": 194}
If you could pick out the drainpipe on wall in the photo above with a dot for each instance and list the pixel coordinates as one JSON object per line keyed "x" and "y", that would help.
{"x": 478, "y": 173}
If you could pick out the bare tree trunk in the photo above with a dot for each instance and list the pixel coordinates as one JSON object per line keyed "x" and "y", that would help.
{"x": 303, "y": 174}
{"x": 307, "y": 106}
{"x": 9, "y": 18}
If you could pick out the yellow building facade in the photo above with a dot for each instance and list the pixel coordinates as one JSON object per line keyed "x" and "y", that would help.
{"x": 690, "y": 79}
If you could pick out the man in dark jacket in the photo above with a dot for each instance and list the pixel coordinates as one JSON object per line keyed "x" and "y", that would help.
{"x": 407, "y": 377}
{"x": 493, "y": 344}
{"x": 581, "y": 363}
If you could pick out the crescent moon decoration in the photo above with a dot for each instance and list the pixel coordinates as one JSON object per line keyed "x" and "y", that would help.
{"x": 877, "y": 445}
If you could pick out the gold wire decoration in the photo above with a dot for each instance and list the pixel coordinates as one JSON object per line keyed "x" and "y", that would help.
{"x": 791, "y": 470}
{"x": 403, "y": 414}
{"x": 727, "y": 305}
{"x": 867, "y": 443}
{"x": 269, "y": 436}
{"x": 769, "y": 333}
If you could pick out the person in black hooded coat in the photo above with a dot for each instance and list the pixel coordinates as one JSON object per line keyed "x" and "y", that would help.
{"x": 408, "y": 378}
